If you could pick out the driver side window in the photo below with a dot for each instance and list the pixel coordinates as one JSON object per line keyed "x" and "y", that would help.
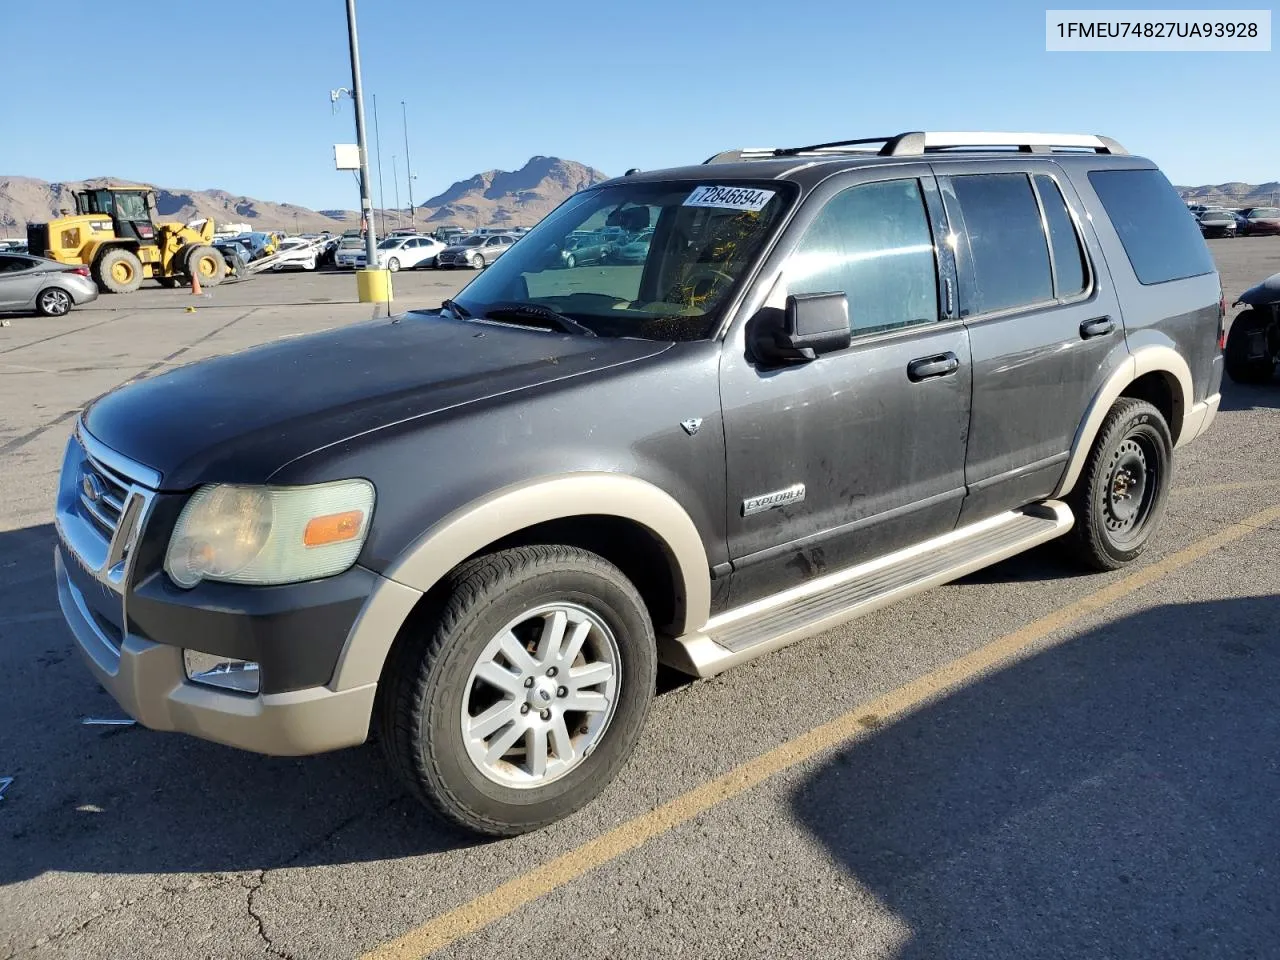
{"x": 873, "y": 243}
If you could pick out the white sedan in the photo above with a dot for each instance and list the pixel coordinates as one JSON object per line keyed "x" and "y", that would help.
{"x": 296, "y": 254}
{"x": 405, "y": 253}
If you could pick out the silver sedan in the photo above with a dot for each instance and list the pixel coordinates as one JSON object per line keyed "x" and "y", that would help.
{"x": 36, "y": 285}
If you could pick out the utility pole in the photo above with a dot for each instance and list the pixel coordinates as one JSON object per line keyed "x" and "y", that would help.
{"x": 377, "y": 135}
{"x": 408, "y": 166}
{"x": 395, "y": 178}
{"x": 366, "y": 204}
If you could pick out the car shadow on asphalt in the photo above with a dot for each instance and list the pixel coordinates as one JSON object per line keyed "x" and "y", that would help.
{"x": 1237, "y": 396}
{"x": 1114, "y": 795}
{"x": 126, "y": 800}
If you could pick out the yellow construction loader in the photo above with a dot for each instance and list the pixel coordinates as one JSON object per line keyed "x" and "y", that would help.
{"x": 113, "y": 234}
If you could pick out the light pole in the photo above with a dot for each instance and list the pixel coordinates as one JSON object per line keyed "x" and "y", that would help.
{"x": 408, "y": 166}
{"x": 366, "y": 205}
{"x": 377, "y": 135}
{"x": 395, "y": 178}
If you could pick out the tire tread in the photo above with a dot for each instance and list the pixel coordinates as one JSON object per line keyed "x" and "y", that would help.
{"x": 468, "y": 587}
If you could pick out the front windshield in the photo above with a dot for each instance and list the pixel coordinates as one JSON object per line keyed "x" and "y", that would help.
{"x": 700, "y": 238}
{"x": 390, "y": 242}
{"x": 131, "y": 206}
{"x": 472, "y": 242}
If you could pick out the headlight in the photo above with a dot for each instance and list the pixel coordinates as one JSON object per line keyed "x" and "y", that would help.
{"x": 269, "y": 535}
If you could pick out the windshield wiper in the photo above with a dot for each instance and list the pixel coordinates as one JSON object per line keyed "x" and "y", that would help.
{"x": 524, "y": 308}
{"x": 459, "y": 311}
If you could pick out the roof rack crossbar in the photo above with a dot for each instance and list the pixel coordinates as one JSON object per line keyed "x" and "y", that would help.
{"x": 918, "y": 142}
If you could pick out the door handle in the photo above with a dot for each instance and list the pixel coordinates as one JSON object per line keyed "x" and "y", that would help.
{"x": 1097, "y": 327}
{"x": 928, "y": 367}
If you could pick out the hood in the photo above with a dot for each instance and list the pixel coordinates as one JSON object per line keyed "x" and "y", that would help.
{"x": 240, "y": 418}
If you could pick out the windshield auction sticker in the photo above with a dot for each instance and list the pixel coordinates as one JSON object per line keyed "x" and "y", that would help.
{"x": 729, "y": 198}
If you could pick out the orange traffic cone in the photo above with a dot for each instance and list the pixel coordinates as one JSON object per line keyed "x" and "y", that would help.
{"x": 195, "y": 284}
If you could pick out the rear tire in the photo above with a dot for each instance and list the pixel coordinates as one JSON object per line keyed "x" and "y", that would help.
{"x": 118, "y": 271}
{"x": 1120, "y": 496}
{"x": 206, "y": 263}
{"x": 1250, "y": 333}
{"x": 53, "y": 302}
{"x": 434, "y": 689}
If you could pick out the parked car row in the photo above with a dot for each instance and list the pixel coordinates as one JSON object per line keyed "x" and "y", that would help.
{"x": 1216, "y": 222}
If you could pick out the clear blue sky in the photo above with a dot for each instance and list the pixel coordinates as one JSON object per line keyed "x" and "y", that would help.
{"x": 239, "y": 99}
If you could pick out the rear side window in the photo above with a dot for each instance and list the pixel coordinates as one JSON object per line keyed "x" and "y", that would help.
{"x": 1006, "y": 240}
{"x": 873, "y": 243}
{"x": 1069, "y": 268}
{"x": 1160, "y": 240}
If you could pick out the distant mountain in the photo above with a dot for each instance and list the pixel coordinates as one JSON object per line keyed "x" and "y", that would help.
{"x": 1234, "y": 194}
{"x": 492, "y": 198}
{"x": 518, "y": 199}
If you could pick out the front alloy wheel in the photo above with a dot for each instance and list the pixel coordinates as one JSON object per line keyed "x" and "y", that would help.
{"x": 520, "y": 697}
{"x": 532, "y": 715}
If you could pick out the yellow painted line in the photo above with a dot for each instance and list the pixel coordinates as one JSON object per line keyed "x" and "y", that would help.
{"x": 440, "y": 932}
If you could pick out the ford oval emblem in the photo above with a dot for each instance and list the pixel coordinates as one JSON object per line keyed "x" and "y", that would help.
{"x": 92, "y": 488}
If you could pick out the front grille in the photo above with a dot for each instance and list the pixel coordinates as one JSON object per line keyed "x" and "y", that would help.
{"x": 102, "y": 495}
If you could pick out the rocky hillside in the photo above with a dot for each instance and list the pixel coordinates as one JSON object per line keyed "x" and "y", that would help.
{"x": 1234, "y": 194}
{"x": 492, "y": 198}
{"x": 519, "y": 199}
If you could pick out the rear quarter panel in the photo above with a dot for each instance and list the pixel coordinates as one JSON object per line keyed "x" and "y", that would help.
{"x": 1179, "y": 314}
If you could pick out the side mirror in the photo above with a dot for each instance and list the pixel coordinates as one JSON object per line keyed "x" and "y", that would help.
{"x": 812, "y": 324}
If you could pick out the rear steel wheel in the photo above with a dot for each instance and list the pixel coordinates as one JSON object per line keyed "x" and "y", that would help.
{"x": 1119, "y": 499}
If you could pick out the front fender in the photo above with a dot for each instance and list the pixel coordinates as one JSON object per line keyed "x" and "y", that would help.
{"x": 508, "y": 511}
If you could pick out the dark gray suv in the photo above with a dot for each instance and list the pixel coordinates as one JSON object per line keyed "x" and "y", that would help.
{"x": 841, "y": 374}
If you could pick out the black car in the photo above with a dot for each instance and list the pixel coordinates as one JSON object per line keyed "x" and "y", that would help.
{"x": 1217, "y": 223}
{"x": 841, "y": 375}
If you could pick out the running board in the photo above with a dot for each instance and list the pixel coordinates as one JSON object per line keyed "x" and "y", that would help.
{"x": 766, "y": 625}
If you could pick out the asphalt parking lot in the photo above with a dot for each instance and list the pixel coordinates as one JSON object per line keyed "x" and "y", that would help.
{"x": 1026, "y": 763}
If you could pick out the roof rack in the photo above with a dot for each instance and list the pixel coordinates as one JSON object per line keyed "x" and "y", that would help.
{"x": 916, "y": 143}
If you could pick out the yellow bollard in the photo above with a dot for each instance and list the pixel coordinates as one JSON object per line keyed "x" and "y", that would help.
{"x": 374, "y": 286}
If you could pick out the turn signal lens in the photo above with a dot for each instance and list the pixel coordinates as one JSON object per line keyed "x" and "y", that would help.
{"x": 333, "y": 528}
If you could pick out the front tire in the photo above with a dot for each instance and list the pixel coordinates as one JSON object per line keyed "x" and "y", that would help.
{"x": 393, "y": 265}
{"x": 524, "y": 694}
{"x": 1120, "y": 497}
{"x": 206, "y": 263}
{"x": 53, "y": 302}
{"x": 1248, "y": 356}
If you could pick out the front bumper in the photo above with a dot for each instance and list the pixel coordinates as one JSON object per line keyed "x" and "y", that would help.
{"x": 132, "y": 624}
{"x": 148, "y": 681}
